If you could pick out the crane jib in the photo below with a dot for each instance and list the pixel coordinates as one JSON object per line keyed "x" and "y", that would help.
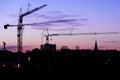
{"x": 29, "y": 12}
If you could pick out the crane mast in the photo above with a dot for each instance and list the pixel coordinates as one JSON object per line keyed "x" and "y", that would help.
{"x": 19, "y": 35}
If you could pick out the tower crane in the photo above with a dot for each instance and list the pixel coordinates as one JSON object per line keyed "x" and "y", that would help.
{"x": 75, "y": 34}
{"x": 20, "y": 26}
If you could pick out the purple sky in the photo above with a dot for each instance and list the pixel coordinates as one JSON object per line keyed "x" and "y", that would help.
{"x": 101, "y": 15}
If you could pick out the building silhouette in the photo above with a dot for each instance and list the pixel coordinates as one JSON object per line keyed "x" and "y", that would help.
{"x": 96, "y": 46}
{"x": 48, "y": 47}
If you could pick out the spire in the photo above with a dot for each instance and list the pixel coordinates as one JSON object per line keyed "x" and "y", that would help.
{"x": 96, "y": 46}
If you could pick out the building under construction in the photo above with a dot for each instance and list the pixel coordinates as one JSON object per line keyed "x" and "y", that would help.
{"x": 48, "y": 47}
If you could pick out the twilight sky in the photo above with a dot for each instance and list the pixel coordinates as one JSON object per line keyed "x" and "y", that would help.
{"x": 101, "y": 15}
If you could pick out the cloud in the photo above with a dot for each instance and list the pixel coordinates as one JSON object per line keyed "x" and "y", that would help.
{"x": 63, "y": 16}
{"x": 57, "y": 29}
{"x": 56, "y": 23}
{"x": 51, "y": 17}
{"x": 54, "y": 15}
{"x": 54, "y": 19}
{"x": 40, "y": 28}
{"x": 110, "y": 41}
{"x": 54, "y": 12}
{"x": 13, "y": 15}
{"x": 44, "y": 16}
{"x": 101, "y": 47}
{"x": 41, "y": 24}
{"x": 72, "y": 23}
{"x": 47, "y": 16}
{"x": 13, "y": 47}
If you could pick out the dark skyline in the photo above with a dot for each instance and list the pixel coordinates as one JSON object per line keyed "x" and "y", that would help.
{"x": 102, "y": 16}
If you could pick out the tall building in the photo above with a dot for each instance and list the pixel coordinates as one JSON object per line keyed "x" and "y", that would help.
{"x": 96, "y": 46}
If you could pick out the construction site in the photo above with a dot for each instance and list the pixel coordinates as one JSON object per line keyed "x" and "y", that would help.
{"x": 46, "y": 58}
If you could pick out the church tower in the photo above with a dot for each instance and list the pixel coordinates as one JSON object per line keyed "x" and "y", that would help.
{"x": 96, "y": 46}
